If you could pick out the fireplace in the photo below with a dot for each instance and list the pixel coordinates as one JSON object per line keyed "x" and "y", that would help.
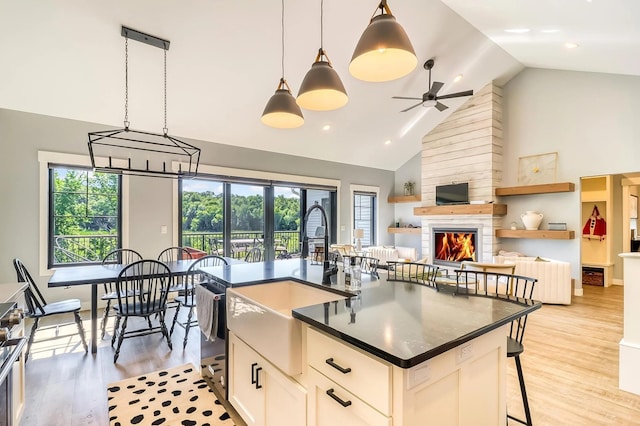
{"x": 454, "y": 245}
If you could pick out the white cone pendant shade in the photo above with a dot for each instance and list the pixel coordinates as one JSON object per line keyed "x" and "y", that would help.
{"x": 384, "y": 51}
{"x": 282, "y": 111}
{"x": 322, "y": 89}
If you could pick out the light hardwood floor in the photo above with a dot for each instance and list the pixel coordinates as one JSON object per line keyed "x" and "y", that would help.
{"x": 570, "y": 365}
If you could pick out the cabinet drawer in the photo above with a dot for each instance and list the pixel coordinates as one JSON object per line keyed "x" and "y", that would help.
{"x": 331, "y": 404}
{"x": 366, "y": 377}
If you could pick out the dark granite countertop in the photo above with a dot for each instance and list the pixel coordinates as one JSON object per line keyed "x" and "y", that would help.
{"x": 402, "y": 323}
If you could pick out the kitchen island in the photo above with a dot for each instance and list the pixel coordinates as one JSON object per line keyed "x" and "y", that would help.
{"x": 392, "y": 353}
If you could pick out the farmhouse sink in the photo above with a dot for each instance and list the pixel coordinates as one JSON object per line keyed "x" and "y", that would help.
{"x": 261, "y": 316}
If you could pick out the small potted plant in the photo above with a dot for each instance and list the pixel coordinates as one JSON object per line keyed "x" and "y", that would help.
{"x": 408, "y": 188}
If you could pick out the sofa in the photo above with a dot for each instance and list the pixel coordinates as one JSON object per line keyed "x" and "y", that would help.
{"x": 386, "y": 253}
{"x": 554, "y": 277}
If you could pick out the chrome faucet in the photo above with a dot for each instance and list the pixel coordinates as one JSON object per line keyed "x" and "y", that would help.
{"x": 327, "y": 269}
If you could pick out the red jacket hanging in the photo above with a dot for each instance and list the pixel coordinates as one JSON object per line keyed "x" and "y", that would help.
{"x": 596, "y": 227}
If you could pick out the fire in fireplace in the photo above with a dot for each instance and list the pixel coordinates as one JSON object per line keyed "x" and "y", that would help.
{"x": 454, "y": 246}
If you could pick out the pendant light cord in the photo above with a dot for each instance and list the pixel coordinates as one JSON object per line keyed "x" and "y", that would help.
{"x": 282, "y": 40}
{"x": 322, "y": 25}
{"x": 126, "y": 83}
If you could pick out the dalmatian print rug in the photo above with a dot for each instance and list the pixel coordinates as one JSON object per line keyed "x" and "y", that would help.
{"x": 176, "y": 396}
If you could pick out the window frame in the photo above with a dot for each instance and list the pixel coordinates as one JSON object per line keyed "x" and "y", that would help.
{"x": 229, "y": 175}
{"x": 47, "y": 158}
{"x": 51, "y": 221}
{"x": 374, "y": 190}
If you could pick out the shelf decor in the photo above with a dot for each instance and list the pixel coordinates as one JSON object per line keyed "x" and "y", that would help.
{"x": 408, "y": 187}
{"x": 537, "y": 169}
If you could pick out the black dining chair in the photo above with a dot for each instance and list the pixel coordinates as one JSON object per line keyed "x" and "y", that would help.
{"x": 37, "y": 306}
{"x": 142, "y": 290}
{"x": 188, "y": 299}
{"x": 173, "y": 254}
{"x": 121, "y": 256}
{"x": 254, "y": 255}
{"x": 412, "y": 272}
{"x": 512, "y": 287}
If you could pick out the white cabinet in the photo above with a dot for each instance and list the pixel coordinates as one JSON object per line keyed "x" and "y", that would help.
{"x": 330, "y": 404}
{"x": 261, "y": 393}
{"x": 464, "y": 386}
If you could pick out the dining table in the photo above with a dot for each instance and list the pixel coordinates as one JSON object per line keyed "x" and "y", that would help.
{"x": 94, "y": 275}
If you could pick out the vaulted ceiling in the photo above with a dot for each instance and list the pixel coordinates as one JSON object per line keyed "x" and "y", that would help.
{"x": 66, "y": 59}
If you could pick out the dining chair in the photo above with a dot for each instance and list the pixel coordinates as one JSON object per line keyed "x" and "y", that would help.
{"x": 413, "y": 272}
{"x": 521, "y": 291}
{"x": 254, "y": 255}
{"x": 142, "y": 289}
{"x": 188, "y": 299}
{"x": 37, "y": 306}
{"x": 173, "y": 254}
{"x": 123, "y": 256}
{"x": 499, "y": 268}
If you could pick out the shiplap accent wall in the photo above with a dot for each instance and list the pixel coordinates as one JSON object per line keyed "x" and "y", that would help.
{"x": 466, "y": 147}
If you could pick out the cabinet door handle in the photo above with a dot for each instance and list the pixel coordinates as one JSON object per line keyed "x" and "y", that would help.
{"x": 258, "y": 385}
{"x": 254, "y": 379}
{"x": 337, "y": 367}
{"x": 335, "y": 397}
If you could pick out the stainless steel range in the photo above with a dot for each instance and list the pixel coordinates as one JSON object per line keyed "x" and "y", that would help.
{"x": 10, "y": 350}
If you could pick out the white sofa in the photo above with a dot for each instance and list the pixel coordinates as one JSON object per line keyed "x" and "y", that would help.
{"x": 554, "y": 277}
{"x": 385, "y": 253}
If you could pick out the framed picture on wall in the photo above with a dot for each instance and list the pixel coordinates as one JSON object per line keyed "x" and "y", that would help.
{"x": 633, "y": 206}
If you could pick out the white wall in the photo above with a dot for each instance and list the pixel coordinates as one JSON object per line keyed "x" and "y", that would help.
{"x": 591, "y": 120}
{"x": 403, "y": 212}
{"x": 22, "y": 135}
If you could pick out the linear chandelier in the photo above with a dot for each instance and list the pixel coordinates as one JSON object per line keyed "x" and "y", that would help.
{"x": 134, "y": 152}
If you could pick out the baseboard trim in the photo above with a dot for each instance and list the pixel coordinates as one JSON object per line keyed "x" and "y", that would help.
{"x": 578, "y": 292}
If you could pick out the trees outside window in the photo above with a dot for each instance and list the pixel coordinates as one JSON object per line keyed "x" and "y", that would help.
{"x": 84, "y": 215}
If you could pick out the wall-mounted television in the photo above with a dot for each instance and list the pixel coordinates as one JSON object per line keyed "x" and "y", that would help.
{"x": 456, "y": 193}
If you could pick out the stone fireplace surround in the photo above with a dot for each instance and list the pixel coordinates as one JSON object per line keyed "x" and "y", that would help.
{"x": 466, "y": 147}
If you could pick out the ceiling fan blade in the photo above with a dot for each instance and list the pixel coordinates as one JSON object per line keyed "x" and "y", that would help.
{"x": 412, "y": 107}
{"x": 435, "y": 87}
{"x": 456, "y": 95}
{"x": 404, "y": 97}
{"x": 441, "y": 107}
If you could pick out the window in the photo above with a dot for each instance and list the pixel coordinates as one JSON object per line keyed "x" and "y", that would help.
{"x": 229, "y": 216}
{"x": 364, "y": 216}
{"x": 84, "y": 215}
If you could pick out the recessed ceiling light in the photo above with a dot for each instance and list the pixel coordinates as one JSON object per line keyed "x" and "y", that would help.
{"x": 387, "y": 142}
{"x": 571, "y": 45}
{"x": 550, "y": 31}
{"x": 517, "y": 30}
{"x": 326, "y": 127}
{"x": 458, "y": 78}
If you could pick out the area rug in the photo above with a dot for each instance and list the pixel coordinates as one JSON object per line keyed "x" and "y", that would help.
{"x": 176, "y": 396}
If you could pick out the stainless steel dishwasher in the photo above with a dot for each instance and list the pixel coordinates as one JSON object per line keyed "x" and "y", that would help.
{"x": 213, "y": 351}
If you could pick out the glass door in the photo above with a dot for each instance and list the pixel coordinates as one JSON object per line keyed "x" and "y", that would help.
{"x": 247, "y": 222}
{"x": 287, "y": 220}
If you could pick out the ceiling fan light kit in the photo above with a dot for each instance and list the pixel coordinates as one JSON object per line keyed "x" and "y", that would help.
{"x": 281, "y": 110}
{"x": 430, "y": 98}
{"x": 131, "y": 152}
{"x": 321, "y": 88}
{"x": 384, "y": 51}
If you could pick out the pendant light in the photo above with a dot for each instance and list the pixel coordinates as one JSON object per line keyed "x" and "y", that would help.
{"x": 282, "y": 111}
{"x": 321, "y": 88}
{"x": 384, "y": 51}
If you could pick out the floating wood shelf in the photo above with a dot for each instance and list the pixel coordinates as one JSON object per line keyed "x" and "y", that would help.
{"x": 536, "y": 189}
{"x": 489, "y": 209}
{"x": 539, "y": 234}
{"x": 404, "y": 199}
{"x": 394, "y": 230}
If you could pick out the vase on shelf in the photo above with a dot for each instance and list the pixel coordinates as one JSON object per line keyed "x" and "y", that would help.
{"x": 531, "y": 220}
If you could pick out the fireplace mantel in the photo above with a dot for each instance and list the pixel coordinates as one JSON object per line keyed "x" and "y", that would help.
{"x": 489, "y": 209}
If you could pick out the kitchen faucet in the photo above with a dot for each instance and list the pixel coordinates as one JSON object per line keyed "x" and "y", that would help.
{"x": 327, "y": 269}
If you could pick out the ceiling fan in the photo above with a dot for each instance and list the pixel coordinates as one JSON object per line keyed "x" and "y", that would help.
{"x": 431, "y": 97}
